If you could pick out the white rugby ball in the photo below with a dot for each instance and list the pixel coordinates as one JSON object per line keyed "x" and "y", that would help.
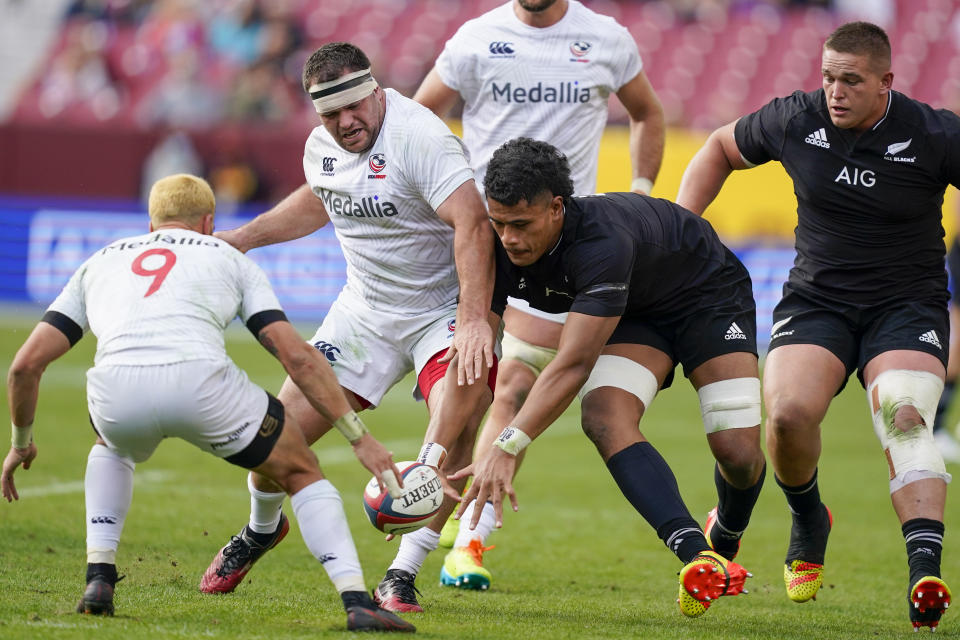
{"x": 420, "y": 501}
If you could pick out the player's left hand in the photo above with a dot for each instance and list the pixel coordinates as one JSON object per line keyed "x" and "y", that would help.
{"x": 472, "y": 346}
{"x": 492, "y": 477}
{"x": 14, "y": 459}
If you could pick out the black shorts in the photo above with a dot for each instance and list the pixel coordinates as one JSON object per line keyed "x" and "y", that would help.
{"x": 856, "y": 333}
{"x": 262, "y": 444}
{"x": 722, "y": 319}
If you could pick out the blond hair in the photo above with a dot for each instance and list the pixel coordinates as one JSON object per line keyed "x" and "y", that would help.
{"x": 180, "y": 197}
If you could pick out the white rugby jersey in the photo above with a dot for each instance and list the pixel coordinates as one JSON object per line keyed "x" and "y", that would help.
{"x": 550, "y": 84}
{"x": 383, "y": 202}
{"x": 164, "y": 297}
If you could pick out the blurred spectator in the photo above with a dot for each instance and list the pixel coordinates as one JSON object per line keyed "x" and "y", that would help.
{"x": 879, "y": 12}
{"x": 235, "y": 181}
{"x": 119, "y": 11}
{"x": 260, "y": 92}
{"x": 79, "y": 76}
{"x": 234, "y": 33}
{"x": 183, "y": 98}
{"x": 174, "y": 153}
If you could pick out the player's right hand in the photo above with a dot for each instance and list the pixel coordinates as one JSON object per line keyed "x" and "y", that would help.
{"x": 492, "y": 477}
{"x": 14, "y": 459}
{"x": 379, "y": 462}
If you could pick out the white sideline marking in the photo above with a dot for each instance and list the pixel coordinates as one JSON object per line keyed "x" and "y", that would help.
{"x": 60, "y": 488}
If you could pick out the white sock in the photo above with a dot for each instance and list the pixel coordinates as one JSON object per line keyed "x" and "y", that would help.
{"x": 484, "y": 525}
{"x": 323, "y": 525}
{"x": 414, "y": 548}
{"x": 264, "y": 508}
{"x": 108, "y": 490}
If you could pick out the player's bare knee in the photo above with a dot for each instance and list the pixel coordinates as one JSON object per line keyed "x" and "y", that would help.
{"x": 906, "y": 418}
{"x": 788, "y": 418}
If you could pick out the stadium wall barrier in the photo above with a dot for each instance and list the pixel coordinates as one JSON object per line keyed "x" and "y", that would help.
{"x": 43, "y": 242}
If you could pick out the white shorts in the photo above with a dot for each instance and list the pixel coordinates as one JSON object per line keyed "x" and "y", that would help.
{"x": 372, "y": 350}
{"x": 212, "y": 405}
{"x": 524, "y": 306}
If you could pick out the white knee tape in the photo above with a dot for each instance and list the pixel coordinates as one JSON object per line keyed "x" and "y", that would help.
{"x": 536, "y": 358}
{"x": 622, "y": 373}
{"x": 911, "y": 455}
{"x": 730, "y": 404}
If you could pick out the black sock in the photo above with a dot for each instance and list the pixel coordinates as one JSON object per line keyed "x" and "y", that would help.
{"x": 108, "y": 571}
{"x": 650, "y": 486}
{"x": 734, "y": 505}
{"x": 356, "y": 599}
{"x": 804, "y": 501}
{"x": 924, "y": 539}
{"x": 943, "y": 404}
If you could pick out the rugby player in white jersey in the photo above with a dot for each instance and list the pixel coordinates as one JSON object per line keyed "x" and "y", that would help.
{"x": 543, "y": 69}
{"x": 159, "y": 304}
{"x": 398, "y": 189}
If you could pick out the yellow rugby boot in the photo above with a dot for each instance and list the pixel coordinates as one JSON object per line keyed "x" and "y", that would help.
{"x": 929, "y": 599}
{"x": 706, "y": 578}
{"x": 803, "y": 569}
{"x": 463, "y": 567}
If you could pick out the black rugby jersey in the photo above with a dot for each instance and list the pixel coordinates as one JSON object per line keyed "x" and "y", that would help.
{"x": 619, "y": 254}
{"x": 869, "y": 205}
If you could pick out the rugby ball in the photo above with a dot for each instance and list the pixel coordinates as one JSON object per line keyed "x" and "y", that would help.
{"x": 422, "y": 495}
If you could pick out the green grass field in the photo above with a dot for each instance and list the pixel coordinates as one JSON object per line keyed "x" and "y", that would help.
{"x": 575, "y": 562}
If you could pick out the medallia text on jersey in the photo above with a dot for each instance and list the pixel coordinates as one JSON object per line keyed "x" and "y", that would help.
{"x": 361, "y": 206}
{"x": 560, "y": 92}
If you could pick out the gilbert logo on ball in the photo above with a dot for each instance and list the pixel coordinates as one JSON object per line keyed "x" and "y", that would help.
{"x": 422, "y": 495}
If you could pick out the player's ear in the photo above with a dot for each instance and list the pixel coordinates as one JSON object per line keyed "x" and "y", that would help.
{"x": 206, "y": 225}
{"x": 886, "y": 80}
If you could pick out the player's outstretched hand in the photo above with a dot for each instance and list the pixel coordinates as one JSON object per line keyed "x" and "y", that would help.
{"x": 492, "y": 477}
{"x": 14, "y": 459}
{"x": 379, "y": 462}
{"x": 473, "y": 346}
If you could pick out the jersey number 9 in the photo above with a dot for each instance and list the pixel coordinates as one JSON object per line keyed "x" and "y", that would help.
{"x": 169, "y": 259}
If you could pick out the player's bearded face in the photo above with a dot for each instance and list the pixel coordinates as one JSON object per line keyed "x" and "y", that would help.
{"x": 536, "y": 5}
{"x": 355, "y": 126}
{"x": 527, "y": 230}
{"x": 856, "y": 92}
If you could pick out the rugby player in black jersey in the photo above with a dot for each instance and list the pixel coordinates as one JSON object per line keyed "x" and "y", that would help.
{"x": 646, "y": 285}
{"x": 868, "y": 291}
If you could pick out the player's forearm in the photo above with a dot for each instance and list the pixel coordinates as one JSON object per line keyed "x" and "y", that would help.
{"x": 298, "y": 215}
{"x": 647, "y": 140}
{"x": 704, "y": 176}
{"x": 473, "y": 253}
{"x": 316, "y": 379}
{"x": 23, "y": 388}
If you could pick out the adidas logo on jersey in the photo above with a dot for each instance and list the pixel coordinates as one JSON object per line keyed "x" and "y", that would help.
{"x": 931, "y": 337}
{"x": 818, "y": 138}
{"x": 735, "y": 333}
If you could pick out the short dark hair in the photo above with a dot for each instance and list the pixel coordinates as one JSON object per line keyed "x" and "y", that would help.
{"x": 862, "y": 38}
{"x": 523, "y": 168}
{"x": 331, "y": 61}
